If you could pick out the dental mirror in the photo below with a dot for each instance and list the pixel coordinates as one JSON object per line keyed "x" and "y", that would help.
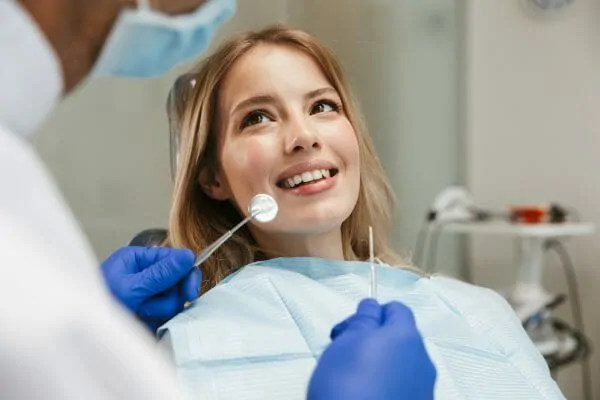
{"x": 263, "y": 208}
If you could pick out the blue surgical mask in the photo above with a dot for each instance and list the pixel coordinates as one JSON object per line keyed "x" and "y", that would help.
{"x": 145, "y": 43}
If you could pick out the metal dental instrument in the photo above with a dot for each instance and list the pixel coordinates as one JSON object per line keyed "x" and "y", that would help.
{"x": 373, "y": 288}
{"x": 263, "y": 208}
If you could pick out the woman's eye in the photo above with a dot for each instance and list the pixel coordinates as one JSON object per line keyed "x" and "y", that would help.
{"x": 325, "y": 106}
{"x": 254, "y": 118}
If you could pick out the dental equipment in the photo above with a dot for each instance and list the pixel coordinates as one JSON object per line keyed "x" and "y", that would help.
{"x": 373, "y": 288}
{"x": 537, "y": 229}
{"x": 263, "y": 208}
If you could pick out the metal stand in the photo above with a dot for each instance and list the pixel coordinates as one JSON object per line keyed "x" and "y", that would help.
{"x": 531, "y": 302}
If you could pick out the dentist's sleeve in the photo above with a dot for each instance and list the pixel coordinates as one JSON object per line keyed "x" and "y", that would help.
{"x": 61, "y": 334}
{"x": 63, "y": 337}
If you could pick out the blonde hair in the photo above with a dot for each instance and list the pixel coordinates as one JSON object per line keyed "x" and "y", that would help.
{"x": 196, "y": 219}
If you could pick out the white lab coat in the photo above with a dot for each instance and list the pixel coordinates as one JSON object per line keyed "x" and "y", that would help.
{"x": 61, "y": 334}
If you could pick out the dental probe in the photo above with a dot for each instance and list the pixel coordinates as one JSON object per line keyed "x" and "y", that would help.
{"x": 373, "y": 288}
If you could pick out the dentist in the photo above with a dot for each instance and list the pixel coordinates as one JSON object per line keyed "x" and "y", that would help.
{"x": 64, "y": 336}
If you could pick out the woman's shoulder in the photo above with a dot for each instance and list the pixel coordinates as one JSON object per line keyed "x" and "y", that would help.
{"x": 454, "y": 283}
{"x": 469, "y": 295}
{"x": 483, "y": 308}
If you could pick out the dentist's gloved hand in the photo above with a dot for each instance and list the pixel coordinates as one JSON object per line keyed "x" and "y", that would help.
{"x": 154, "y": 283}
{"x": 376, "y": 354}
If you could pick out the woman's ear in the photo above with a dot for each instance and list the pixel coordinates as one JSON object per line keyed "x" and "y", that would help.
{"x": 212, "y": 185}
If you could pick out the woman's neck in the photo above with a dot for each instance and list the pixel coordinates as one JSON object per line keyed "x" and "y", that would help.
{"x": 327, "y": 245}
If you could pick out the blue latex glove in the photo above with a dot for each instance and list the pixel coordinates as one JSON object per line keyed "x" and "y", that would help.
{"x": 376, "y": 354}
{"x": 154, "y": 283}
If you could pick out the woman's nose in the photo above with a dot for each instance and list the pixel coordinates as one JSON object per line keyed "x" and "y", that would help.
{"x": 301, "y": 136}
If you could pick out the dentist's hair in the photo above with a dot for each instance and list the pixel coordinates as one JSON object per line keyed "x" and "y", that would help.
{"x": 196, "y": 219}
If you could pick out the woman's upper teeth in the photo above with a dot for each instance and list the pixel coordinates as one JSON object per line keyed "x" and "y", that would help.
{"x": 308, "y": 176}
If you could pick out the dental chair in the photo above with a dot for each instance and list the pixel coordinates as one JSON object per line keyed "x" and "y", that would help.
{"x": 149, "y": 237}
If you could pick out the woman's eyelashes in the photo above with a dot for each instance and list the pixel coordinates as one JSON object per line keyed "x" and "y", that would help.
{"x": 325, "y": 106}
{"x": 254, "y": 118}
{"x": 257, "y": 117}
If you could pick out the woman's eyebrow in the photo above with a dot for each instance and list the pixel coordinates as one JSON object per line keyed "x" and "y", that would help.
{"x": 266, "y": 98}
{"x": 253, "y": 101}
{"x": 319, "y": 92}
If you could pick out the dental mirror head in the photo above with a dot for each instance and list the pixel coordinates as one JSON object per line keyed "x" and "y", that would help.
{"x": 263, "y": 208}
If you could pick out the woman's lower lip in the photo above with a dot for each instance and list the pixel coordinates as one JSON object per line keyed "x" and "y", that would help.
{"x": 314, "y": 188}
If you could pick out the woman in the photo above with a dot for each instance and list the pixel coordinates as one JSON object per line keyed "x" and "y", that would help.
{"x": 200, "y": 214}
{"x": 270, "y": 112}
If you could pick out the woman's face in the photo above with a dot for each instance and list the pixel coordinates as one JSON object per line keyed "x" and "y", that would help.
{"x": 283, "y": 132}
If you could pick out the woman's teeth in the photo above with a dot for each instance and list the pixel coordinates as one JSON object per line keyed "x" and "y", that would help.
{"x": 306, "y": 177}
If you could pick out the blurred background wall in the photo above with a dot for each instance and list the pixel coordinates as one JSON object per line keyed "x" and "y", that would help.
{"x": 533, "y": 135}
{"x": 454, "y": 91}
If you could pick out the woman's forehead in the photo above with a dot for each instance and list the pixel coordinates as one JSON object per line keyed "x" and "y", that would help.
{"x": 269, "y": 68}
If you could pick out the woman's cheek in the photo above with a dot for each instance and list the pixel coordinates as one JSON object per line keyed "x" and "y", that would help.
{"x": 250, "y": 160}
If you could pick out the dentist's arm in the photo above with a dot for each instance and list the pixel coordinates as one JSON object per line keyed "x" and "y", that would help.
{"x": 376, "y": 354}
